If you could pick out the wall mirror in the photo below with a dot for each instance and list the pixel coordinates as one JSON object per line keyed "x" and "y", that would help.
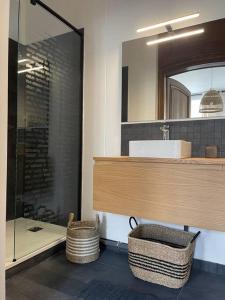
{"x": 176, "y": 79}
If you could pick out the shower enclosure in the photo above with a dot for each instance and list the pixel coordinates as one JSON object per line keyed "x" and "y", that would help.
{"x": 44, "y": 129}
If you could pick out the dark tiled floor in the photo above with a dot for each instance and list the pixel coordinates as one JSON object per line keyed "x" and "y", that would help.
{"x": 56, "y": 278}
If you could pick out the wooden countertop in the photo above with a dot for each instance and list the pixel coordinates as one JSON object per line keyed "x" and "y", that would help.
{"x": 193, "y": 160}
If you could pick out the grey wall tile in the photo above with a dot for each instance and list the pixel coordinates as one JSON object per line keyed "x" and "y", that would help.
{"x": 201, "y": 133}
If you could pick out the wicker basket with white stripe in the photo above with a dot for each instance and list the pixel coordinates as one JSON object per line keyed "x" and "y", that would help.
{"x": 161, "y": 255}
{"x": 82, "y": 242}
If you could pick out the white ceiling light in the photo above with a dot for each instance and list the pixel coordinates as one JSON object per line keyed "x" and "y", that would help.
{"x": 175, "y": 36}
{"x": 170, "y": 22}
{"x": 30, "y": 69}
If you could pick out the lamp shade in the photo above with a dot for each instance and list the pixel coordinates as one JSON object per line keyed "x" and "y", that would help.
{"x": 211, "y": 102}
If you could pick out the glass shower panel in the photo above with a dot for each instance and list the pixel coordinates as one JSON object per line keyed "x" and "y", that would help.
{"x": 49, "y": 129}
{"x": 12, "y": 130}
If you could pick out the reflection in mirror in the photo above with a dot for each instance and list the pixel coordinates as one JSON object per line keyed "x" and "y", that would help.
{"x": 176, "y": 79}
{"x": 186, "y": 90}
{"x": 139, "y": 81}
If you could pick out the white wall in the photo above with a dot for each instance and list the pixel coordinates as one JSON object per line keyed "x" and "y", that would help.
{"x": 142, "y": 62}
{"x": 4, "y": 32}
{"x": 107, "y": 24}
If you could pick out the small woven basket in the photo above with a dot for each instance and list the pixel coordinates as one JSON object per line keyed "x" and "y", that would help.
{"x": 161, "y": 255}
{"x": 82, "y": 242}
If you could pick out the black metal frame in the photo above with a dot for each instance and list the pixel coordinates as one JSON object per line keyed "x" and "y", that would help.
{"x": 80, "y": 32}
{"x": 81, "y": 123}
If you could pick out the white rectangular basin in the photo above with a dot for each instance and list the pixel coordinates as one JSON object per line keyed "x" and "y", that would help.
{"x": 160, "y": 148}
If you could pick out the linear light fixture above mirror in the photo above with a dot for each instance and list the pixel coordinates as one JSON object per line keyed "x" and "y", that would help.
{"x": 170, "y": 22}
{"x": 175, "y": 36}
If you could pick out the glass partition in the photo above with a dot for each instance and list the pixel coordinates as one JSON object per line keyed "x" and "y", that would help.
{"x": 48, "y": 130}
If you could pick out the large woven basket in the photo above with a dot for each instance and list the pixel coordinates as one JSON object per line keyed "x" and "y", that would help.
{"x": 82, "y": 242}
{"x": 161, "y": 255}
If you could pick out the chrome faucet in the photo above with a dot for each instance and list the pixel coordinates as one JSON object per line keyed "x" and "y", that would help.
{"x": 165, "y": 128}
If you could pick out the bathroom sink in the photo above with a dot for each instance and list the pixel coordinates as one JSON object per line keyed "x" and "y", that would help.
{"x": 160, "y": 148}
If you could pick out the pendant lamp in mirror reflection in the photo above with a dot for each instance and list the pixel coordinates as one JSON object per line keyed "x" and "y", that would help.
{"x": 211, "y": 102}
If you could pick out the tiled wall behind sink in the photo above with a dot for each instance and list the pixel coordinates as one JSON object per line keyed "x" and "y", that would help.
{"x": 201, "y": 133}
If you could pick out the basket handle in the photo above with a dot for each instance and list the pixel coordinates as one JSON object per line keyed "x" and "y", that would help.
{"x": 71, "y": 218}
{"x": 130, "y": 220}
{"x": 195, "y": 237}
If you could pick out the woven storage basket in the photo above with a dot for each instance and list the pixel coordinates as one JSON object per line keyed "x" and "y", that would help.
{"x": 160, "y": 254}
{"x": 82, "y": 242}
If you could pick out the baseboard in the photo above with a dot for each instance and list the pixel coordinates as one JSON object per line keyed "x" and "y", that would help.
{"x": 114, "y": 245}
{"x": 198, "y": 264}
